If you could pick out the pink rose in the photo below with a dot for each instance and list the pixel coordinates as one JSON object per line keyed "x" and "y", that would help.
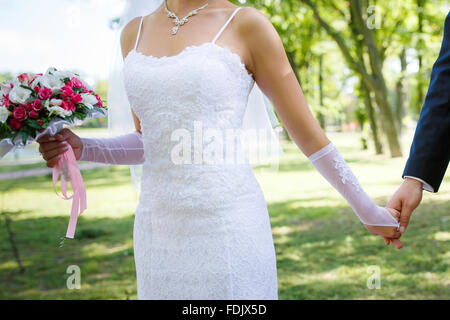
{"x": 33, "y": 114}
{"x": 32, "y": 77}
{"x": 45, "y": 93}
{"x": 15, "y": 124}
{"x": 20, "y": 113}
{"x": 72, "y": 106}
{"x": 37, "y": 105}
{"x": 67, "y": 91}
{"x": 64, "y": 105}
{"x": 76, "y": 98}
{"x": 6, "y": 101}
{"x": 28, "y": 107}
{"x": 99, "y": 101}
{"x": 78, "y": 84}
{"x": 24, "y": 78}
{"x": 41, "y": 123}
{"x": 68, "y": 105}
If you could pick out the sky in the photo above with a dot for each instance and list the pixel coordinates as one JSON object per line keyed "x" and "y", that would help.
{"x": 66, "y": 34}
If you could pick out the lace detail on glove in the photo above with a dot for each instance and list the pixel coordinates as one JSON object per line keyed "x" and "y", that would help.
{"x": 329, "y": 162}
{"x": 345, "y": 173}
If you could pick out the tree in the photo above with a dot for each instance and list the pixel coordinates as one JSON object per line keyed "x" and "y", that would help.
{"x": 373, "y": 78}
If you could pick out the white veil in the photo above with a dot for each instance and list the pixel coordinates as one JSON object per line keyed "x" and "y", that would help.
{"x": 261, "y": 149}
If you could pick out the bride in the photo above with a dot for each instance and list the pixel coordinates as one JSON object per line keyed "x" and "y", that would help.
{"x": 202, "y": 230}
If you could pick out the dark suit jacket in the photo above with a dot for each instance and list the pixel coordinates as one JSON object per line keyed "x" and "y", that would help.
{"x": 430, "y": 150}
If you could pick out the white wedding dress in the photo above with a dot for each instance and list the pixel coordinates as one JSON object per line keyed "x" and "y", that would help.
{"x": 201, "y": 231}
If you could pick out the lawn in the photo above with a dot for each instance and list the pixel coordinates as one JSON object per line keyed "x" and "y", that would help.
{"x": 323, "y": 251}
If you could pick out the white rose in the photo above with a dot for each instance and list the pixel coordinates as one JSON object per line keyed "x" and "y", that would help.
{"x": 55, "y": 102}
{"x": 4, "y": 114}
{"x": 5, "y": 87}
{"x": 89, "y": 100}
{"x": 52, "y": 82}
{"x": 57, "y": 110}
{"x": 50, "y": 70}
{"x": 59, "y": 73}
{"x": 19, "y": 95}
{"x": 63, "y": 74}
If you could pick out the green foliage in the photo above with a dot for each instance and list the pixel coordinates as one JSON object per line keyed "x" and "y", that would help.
{"x": 394, "y": 26}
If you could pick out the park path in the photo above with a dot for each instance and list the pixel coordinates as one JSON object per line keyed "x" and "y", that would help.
{"x": 43, "y": 171}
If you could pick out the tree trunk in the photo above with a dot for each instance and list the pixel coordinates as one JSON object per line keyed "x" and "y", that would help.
{"x": 320, "y": 115}
{"x": 400, "y": 92}
{"x": 419, "y": 48}
{"x": 387, "y": 121}
{"x": 375, "y": 80}
{"x": 372, "y": 120}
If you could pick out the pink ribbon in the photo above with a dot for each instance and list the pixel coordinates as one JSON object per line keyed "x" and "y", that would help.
{"x": 79, "y": 191}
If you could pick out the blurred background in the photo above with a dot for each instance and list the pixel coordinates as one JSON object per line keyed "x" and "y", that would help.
{"x": 364, "y": 66}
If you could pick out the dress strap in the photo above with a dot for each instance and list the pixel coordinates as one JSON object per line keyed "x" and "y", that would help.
{"x": 226, "y": 23}
{"x": 138, "y": 34}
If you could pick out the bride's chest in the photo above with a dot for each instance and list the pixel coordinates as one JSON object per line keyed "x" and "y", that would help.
{"x": 204, "y": 77}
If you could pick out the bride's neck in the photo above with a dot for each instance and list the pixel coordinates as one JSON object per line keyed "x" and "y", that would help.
{"x": 185, "y": 6}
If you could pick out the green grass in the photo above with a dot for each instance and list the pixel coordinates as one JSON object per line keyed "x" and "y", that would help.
{"x": 323, "y": 251}
{"x": 20, "y": 167}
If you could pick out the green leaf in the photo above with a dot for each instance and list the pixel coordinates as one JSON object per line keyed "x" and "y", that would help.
{"x": 24, "y": 137}
{"x": 100, "y": 109}
{"x": 33, "y": 124}
{"x": 25, "y": 87}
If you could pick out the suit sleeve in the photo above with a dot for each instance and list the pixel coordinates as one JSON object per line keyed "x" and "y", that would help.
{"x": 430, "y": 150}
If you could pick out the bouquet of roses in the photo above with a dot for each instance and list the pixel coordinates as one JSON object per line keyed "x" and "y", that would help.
{"x": 32, "y": 105}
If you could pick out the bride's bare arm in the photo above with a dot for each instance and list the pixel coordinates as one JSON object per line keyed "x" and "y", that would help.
{"x": 267, "y": 60}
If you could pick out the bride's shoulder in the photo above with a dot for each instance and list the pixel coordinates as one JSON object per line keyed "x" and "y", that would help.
{"x": 251, "y": 20}
{"x": 253, "y": 24}
{"x": 129, "y": 34}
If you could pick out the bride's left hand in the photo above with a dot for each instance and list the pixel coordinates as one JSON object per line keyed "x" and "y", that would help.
{"x": 389, "y": 234}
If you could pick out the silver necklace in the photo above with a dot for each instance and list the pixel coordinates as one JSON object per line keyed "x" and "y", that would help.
{"x": 177, "y": 21}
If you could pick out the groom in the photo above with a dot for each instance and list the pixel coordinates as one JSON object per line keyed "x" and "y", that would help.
{"x": 430, "y": 150}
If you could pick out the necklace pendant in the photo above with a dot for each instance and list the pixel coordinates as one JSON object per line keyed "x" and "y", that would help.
{"x": 179, "y": 22}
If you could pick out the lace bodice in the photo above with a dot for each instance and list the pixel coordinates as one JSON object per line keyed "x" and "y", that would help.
{"x": 206, "y": 83}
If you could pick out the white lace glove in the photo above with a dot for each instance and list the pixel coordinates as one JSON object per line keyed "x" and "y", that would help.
{"x": 123, "y": 149}
{"x": 329, "y": 162}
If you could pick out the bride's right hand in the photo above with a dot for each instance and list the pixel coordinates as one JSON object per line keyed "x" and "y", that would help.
{"x": 389, "y": 234}
{"x": 51, "y": 148}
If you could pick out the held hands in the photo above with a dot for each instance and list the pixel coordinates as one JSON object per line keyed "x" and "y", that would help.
{"x": 51, "y": 148}
{"x": 390, "y": 234}
{"x": 405, "y": 199}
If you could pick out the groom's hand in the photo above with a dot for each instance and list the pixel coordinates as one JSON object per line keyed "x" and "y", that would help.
{"x": 51, "y": 147}
{"x": 389, "y": 234}
{"x": 405, "y": 200}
